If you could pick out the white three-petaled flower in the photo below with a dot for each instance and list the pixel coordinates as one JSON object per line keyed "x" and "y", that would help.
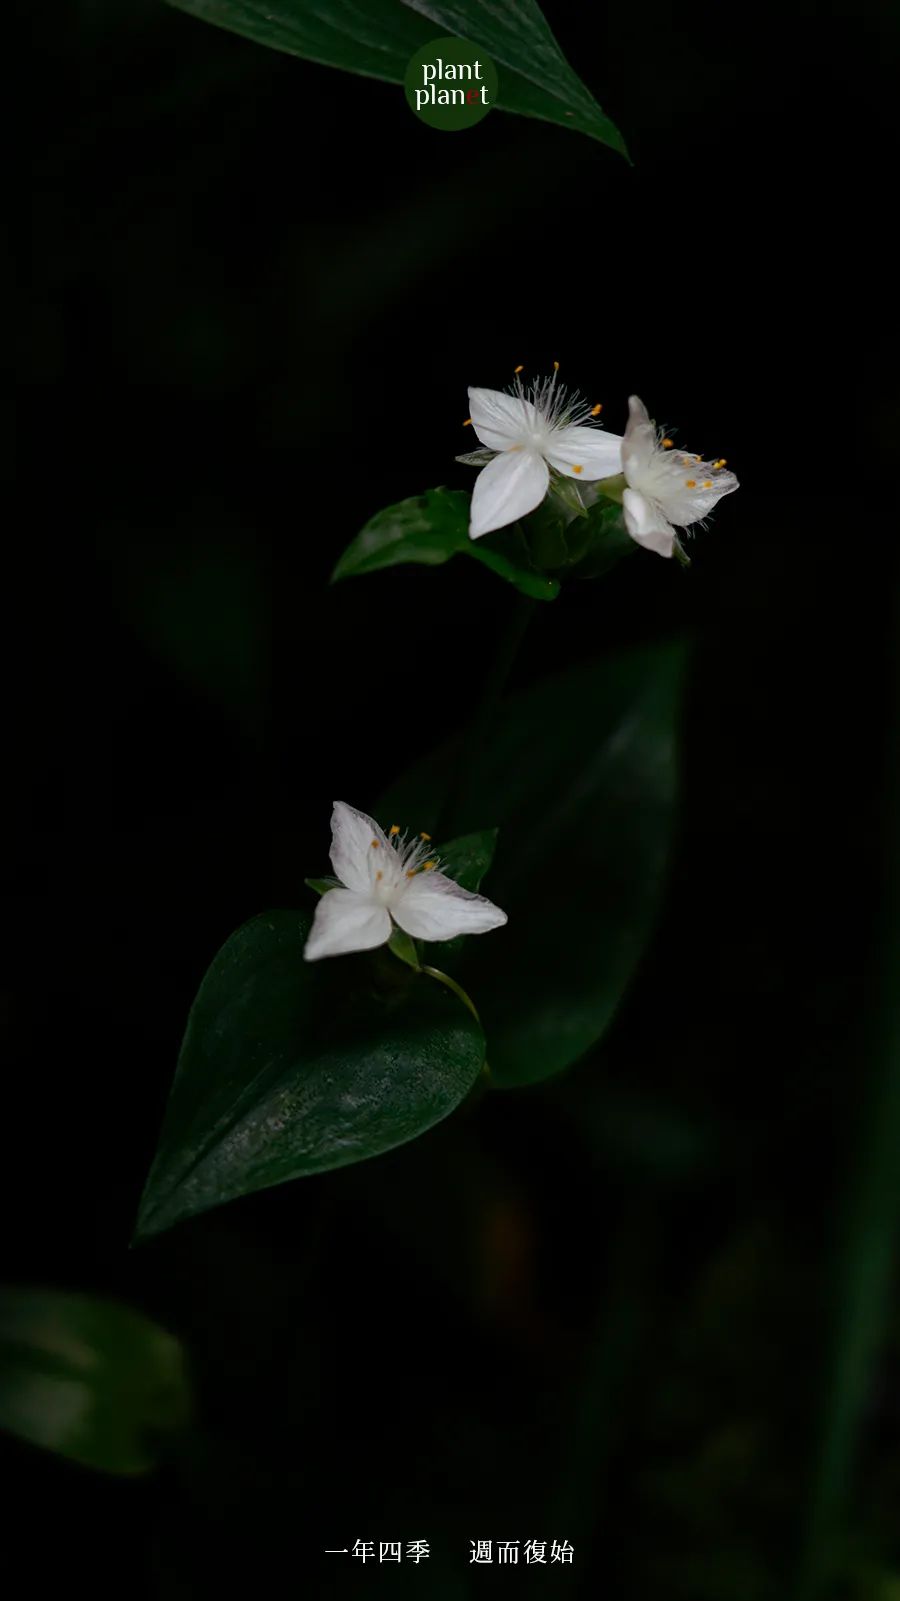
{"x": 386, "y": 879}
{"x": 666, "y": 486}
{"x": 531, "y": 432}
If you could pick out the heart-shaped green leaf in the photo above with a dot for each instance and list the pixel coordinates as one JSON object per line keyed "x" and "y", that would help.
{"x": 290, "y": 1068}
{"x": 431, "y": 528}
{"x": 378, "y": 37}
{"x": 88, "y": 1379}
{"x": 580, "y": 773}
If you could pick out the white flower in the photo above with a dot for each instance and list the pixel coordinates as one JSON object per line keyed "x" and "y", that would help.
{"x": 530, "y": 433}
{"x": 665, "y": 486}
{"x": 387, "y": 879}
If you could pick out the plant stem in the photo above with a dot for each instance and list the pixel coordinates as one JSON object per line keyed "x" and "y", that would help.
{"x": 444, "y": 978}
{"x": 475, "y": 737}
{"x": 867, "y": 1243}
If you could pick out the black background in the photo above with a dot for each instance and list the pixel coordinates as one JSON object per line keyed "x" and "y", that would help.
{"x": 255, "y": 294}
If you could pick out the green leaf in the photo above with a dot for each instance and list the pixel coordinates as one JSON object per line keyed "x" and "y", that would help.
{"x": 290, "y": 1068}
{"x": 468, "y": 858}
{"x": 431, "y": 528}
{"x": 404, "y": 947}
{"x": 90, "y": 1380}
{"x": 322, "y": 885}
{"x": 377, "y": 38}
{"x": 581, "y": 775}
{"x": 598, "y": 544}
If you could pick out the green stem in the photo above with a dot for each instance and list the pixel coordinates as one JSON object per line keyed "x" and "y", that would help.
{"x": 614, "y": 1348}
{"x": 867, "y": 1244}
{"x": 476, "y": 735}
{"x": 444, "y": 978}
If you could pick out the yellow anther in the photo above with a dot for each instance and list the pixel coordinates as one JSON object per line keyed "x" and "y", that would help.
{"x": 379, "y": 876}
{"x": 556, "y": 366}
{"x": 577, "y": 469}
{"x": 667, "y": 444}
{"x": 721, "y": 462}
{"x": 518, "y": 369}
{"x": 375, "y": 844}
{"x": 691, "y": 483}
{"x": 698, "y": 459}
{"x": 707, "y": 483}
{"x": 596, "y": 410}
{"x": 427, "y": 866}
{"x": 394, "y": 829}
{"x": 411, "y": 872}
{"x": 467, "y": 423}
{"x": 424, "y": 836}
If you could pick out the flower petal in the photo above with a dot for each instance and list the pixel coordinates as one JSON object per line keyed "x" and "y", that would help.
{"x": 501, "y": 420}
{"x": 639, "y": 445}
{"x": 346, "y": 922}
{"x": 584, "y": 453}
{"x": 646, "y": 523}
{"x": 352, "y": 834}
{"x": 692, "y": 489}
{"x": 507, "y": 489}
{"x": 435, "y": 907}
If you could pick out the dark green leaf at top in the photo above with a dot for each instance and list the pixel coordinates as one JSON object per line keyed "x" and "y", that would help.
{"x": 378, "y": 37}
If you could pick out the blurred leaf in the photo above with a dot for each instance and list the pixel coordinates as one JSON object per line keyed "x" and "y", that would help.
{"x": 431, "y": 528}
{"x": 378, "y": 38}
{"x": 599, "y": 542}
{"x": 581, "y": 776}
{"x": 289, "y": 1068}
{"x": 90, "y": 1380}
{"x": 203, "y": 608}
{"x": 322, "y": 885}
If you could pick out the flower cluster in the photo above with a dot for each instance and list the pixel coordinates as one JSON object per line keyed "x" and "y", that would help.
{"x": 530, "y": 434}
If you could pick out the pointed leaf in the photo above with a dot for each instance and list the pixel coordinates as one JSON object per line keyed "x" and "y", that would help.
{"x": 431, "y": 528}
{"x": 378, "y": 37}
{"x": 290, "y": 1068}
{"x": 581, "y": 774}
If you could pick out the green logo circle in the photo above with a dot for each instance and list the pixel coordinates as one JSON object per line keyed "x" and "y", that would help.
{"x": 450, "y": 83}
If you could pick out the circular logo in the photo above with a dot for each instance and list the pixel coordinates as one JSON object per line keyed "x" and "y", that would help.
{"x": 450, "y": 83}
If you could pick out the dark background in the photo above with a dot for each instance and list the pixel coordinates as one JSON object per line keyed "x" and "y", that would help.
{"x": 255, "y": 292}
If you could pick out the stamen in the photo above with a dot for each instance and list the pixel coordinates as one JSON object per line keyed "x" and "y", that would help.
{"x": 424, "y": 836}
{"x": 707, "y": 483}
{"x": 691, "y": 483}
{"x": 667, "y": 444}
{"x": 467, "y": 423}
{"x": 519, "y": 368}
{"x": 411, "y": 873}
{"x": 596, "y": 410}
{"x": 556, "y": 366}
{"x": 394, "y": 830}
{"x": 577, "y": 469}
{"x": 721, "y": 462}
{"x": 427, "y": 867}
{"x": 376, "y": 844}
{"x": 379, "y": 876}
